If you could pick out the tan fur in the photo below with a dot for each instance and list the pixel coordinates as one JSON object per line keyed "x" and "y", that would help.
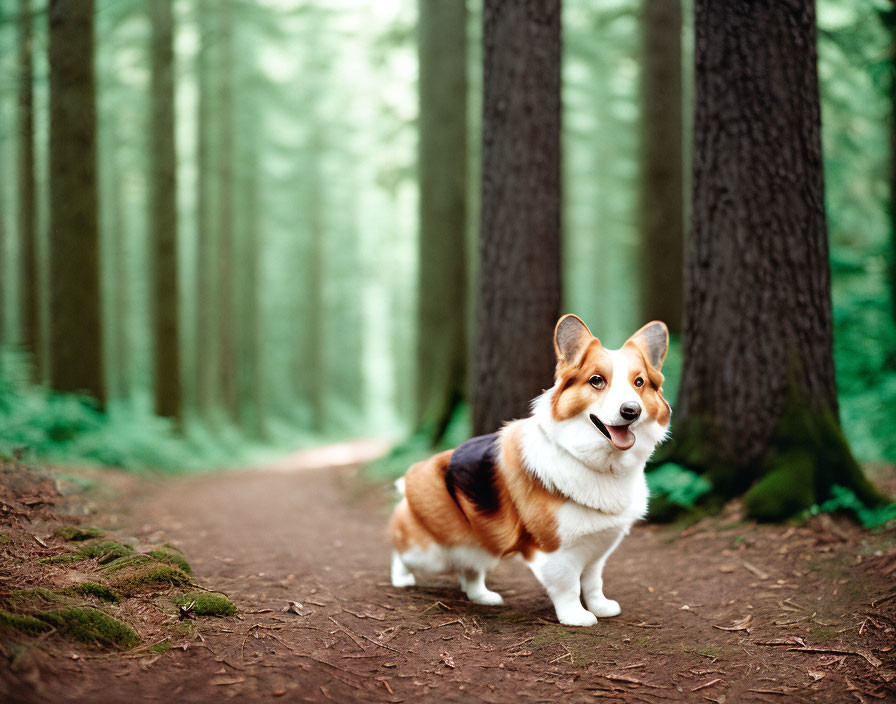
{"x": 523, "y": 522}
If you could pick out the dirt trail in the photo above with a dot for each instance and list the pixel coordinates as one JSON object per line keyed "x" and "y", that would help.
{"x": 318, "y": 537}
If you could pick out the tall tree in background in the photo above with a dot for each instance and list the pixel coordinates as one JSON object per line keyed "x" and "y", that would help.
{"x": 227, "y": 293}
{"x": 206, "y": 262}
{"x": 757, "y": 408}
{"x": 30, "y": 300}
{"x": 76, "y": 350}
{"x": 442, "y": 168}
{"x": 163, "y": 215}
{"x": 662, "y": 227}
{"x": 519, "y": 249}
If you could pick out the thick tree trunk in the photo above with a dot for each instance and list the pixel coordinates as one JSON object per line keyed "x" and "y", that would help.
{"x": 30, "y": 299}
{"x": 252, "y": 378}
{"x": 442, "y": 165}
{"x": 76, "y": 350}
{"x": 312, "y": 371}
{"x": 227, "y": 295}
{"x": 662, "y": 227}
{"x": 519, "y": 249}
{"x": 206, "y": 262}
{"x": 163, "y": 216}
{"x": 758, "y": 398}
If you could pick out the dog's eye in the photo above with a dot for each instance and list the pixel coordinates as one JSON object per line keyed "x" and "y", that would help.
{"x": 639, "y": 382}
{"x": 598, "y": 382}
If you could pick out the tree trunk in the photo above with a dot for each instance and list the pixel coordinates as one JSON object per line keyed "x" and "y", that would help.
{"x": 227, "y": 296}
{"x": 519, "y": 249}
{"x": 662, "y": 227}
{"x": 163, "y": 216}
{"x": 206, "y": 263}
{"x": 76, "y": 350}
{"x": 442, "y": 167}
{"x": 312, "y": 371}
{"x": 758, "y": 408}
{"x": 30, "y": 299}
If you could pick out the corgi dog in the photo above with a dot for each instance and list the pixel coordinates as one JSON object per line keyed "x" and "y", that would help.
{"x": 560, "y": 488}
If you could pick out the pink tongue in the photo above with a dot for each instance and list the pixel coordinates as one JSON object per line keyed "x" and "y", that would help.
{"x": 621, "y": 437}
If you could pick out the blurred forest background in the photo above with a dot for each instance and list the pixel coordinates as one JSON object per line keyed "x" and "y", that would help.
{"x": 273, "y": 145}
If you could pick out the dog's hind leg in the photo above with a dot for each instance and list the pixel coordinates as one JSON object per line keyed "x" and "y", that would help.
{"x": 473, "y": 584}
{"x": 401, "y": 575}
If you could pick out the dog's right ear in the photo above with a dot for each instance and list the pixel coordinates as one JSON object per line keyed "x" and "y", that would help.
{"x": 570, "y": 338}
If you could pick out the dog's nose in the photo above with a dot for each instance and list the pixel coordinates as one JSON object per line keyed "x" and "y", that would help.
{"x": 630, "y": 411}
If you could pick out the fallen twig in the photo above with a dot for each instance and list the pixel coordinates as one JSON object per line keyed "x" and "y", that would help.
{"x": 871, "y": 659}
{"x": 707, "y": 684}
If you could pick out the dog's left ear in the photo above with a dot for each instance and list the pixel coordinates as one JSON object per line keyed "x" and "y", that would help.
{"x": 653, "y": 341}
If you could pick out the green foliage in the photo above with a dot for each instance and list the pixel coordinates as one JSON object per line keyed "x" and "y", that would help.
{"x": 674, "y": 489}
{"x": 845, "y": 500}
{"x": 207, "y": 604}
{"x": 677, "y": 484}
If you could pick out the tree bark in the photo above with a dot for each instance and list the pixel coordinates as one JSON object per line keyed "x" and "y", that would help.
{"x": 442, "y": 168}
{"x": 29, "y": 287}
{"x": 76, "y": 350}
{"x": 519, "y": 249}
{"x": 758, "y": 405}
{"x": 163, "y": 216}
{"x": 206, "y": 263}
{"x": 227, "y": 296}
{"x": 662, "y": 226}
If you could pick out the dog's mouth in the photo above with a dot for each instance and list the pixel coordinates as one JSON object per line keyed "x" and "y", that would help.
{"x": 619, "y": 435}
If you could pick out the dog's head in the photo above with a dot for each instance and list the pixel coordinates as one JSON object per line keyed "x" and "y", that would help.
{"x": 616, "y": 396}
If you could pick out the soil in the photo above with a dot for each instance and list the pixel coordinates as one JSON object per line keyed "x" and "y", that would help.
{"x": 724, "y": 610}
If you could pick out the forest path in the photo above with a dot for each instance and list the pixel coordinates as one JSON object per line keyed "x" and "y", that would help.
{"x": 318, "y": 537}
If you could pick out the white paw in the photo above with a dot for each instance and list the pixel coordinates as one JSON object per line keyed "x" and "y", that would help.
{"x": 577, "y": 618}
{"x": 604, "y": 608}
{"x": 403, "y": 580}
{"x": 486, "y": 598}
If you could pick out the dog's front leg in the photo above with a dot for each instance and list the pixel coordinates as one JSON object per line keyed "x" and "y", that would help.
{"x": 561, "y": 574}
{"x": 593, "y": 580}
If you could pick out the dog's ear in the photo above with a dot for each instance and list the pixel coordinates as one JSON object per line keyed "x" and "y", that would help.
{"x": 653, "y": 341}
{"x": 570, "y": 337}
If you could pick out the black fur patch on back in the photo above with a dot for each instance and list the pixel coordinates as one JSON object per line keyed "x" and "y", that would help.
{"x": 472, "y": 472}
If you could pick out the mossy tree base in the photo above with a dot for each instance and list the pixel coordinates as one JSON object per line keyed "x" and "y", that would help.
{"x": 807, "y": 456}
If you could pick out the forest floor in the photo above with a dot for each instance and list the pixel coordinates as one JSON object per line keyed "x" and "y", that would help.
{"x": 722, "y": 611}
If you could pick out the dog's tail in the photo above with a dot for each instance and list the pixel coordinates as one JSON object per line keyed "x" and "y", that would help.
{"x": 399, "y": 486}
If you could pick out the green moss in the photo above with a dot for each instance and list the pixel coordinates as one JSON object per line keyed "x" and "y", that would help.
{"x": 707, "y": 651}
{"x": 140, "y": 574}
{"x": 91, "y": 626}
{"x": 34, "y": 599}
{"x": 207, "y": 604}
{"x": 75, "y": 533}
{"x": 160, "y": 648}
{"x": 22, "y": 623}
{"x": 106, "y": 550}
{"x": 66, "y": 558}
{"x": 173, "y": 556}
{"x": 823, "y": 633}
{"x": 96, "y": 590}
{"x": 127, "y": 562}
{"x": 101, "y": 550}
